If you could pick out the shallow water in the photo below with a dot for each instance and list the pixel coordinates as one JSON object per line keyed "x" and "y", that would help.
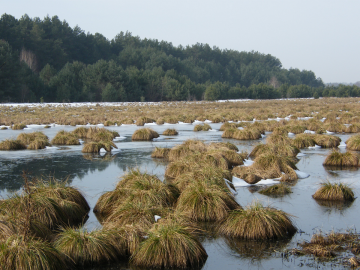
{"x": 95, "y": 174}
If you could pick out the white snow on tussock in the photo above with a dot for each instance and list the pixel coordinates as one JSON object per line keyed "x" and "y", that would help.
{"x": 238, "y": 182}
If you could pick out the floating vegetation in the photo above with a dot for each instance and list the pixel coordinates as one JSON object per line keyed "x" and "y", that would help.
{"x": 257, "y": 222}
{"x": 334, "y": 191}
{"x": 144, "y": 134}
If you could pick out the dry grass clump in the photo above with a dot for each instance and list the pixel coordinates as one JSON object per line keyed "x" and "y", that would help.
{"x": 334, "y": 126}
{"x": 297, "y": 129}
{"x": 38, "y": 144}
{"x": 186, "y": 148}
{"x": 353, "y": 128}
{"x": 143, "y": 120}
{"x": 94, "y": 147}
{"x": 228, "y": 125}
{"x": 304, "y": 141}
{"x": 160, "y": 152}
{"x": 257, "y": 222}
{"x": 137, "y": 196}
{"x": 170, "y": 132}
{"x": 270, "y": 165}
{"x": 219, "y": 145}
{"x": 278, "y": 139}
{"x": 278, "y": 189}
{"x": 231, "y": 157}
{"x": 282, "y": 131}
{"x": 279, "y": 149}
{"x": 88, "y": 248}
{"x": 229, "y": 133}
{"x": 28, "y": 253}
{"x": 3, "y": 128}
{"x": 144, "y": 134}
{"x": 247, "y": 134}
{"x": 327, "y": 141}
{"x": 169, "y": 245}
{"x": 81, "y": 132}
{"x": 127, "y": 121}
{"x": 160, "y": 121}
{"x": 203, "y": 201}
{"x": 65, "y": 138}
{"x": 171, "y": 120}
{"x": 101, "y": 134}
{"x": 9, "y": 144}
{"x": 353, "y": 143}
{"x": 348, "y": 159}
{"x": 18, "y": 126}
{"x": 202, "y": 127}
{"x": 335, "y": 191}
{"x": 27, "y": 138}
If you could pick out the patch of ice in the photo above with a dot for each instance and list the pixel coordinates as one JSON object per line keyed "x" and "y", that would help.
{"x": 115, "y": 150}
{"x": 238, "y": 182}
{"x": 157, "y": 218}
{"x": 329, "y": 132}
{"x": 342, "y": 145}
{"x": 309, "y": 132}
{"x": 51, "y": 148}
{"x": 301, "y": 155}
{"x": 102, "y": 150}
{"x": 100, "y": 125}
{"x": 150, "y": 124}
{"x": 263, "y": 136}
{"x": 81, "y": 141}
{"x": 182, "y": 123}
{"x": 248, "y": 162}
{"x": 302, "y": 175}
{"x": 291, "y": 134}
{"x": 207, "y": 121}
{"x": 213, "y": 130}
{"x": 314, "y": 147}
{"x": 168, "y": 124}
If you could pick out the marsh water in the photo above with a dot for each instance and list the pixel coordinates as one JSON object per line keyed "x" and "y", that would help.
{"x": 94, "y": 174}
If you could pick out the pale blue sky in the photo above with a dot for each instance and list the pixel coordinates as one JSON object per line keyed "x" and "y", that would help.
{"x": 318, "y": 35}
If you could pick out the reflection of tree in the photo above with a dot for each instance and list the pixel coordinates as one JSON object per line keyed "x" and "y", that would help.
{"x": 256, "y": 250}
{"x": 70, "y": 165}
{"x": 337, "y": 206}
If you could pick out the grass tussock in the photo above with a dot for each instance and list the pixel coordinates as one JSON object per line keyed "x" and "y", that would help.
{"x": 9, "y": 144}
{"x": 18, "y": 126}
{"x": 229, "y": 133}
{"x": 144, "y": 134}
{"x": 247, "y": 174}
{"x": 247, "y": 134}
{"x": 335, "y": 192}
{"x": 304, "y": 141}
{"x": 258, "y": 222}
{"x": 219, "y": 145}
{"x": 202, "y": 127}
{"x": 202, "y": 201}
{"x": 38, "y": 144}
{"x": 228, "y": 125}
{"x": 278, "y": 149}
{"x": 327, "y": 141}
{"x": 353, "y": 143}
{"x": 65, "y": 138}
{"x": 277, "y": 190}
{"x": 27, "y": 253}
{"x": 348, "y": 159}
{"x": 94, "y": 147}
{"x": 27, "y": 138}
{"x": 160, "y": 152}
{"x": 143, "y": 120}
{"x": 170, "y": 132}
{"x": 87, "y": 248}
{"x": 169, "y": 245}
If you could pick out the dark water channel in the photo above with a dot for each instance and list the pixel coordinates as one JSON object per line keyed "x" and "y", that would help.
{"x": 94, "y": 174}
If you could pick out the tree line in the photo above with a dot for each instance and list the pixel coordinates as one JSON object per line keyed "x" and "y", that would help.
{"x": 47, "y": 60}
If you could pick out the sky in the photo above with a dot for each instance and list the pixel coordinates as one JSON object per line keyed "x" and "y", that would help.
{"x": 321, "y": 35}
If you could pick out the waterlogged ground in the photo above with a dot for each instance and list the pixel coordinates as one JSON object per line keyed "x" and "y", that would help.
{"x": 95, "y": 174}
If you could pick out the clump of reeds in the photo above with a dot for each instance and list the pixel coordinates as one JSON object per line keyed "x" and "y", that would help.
{"x": 169, "y": 245}
{"x": 278, "y": 189}
{"x": 229, "y": 133}
{"x": 85, "y": 248}
{"x": 257, "y": 222}
{"x": 275, "y": 148}
{"x": 160, "y": 152}
{"x": 336, "y": 158}
{"x": 202, "y": 127}
{"x": 18, "y": 126}
{"x": 101, "y": 134}
{"x": 304, "y": 141}
{"x": 38, "y": 144}
{"x": 278, "y": 139}
{"x": 27, "y": 138}
{"x": 127, "y": 121}
{"x": 144, "y": 134}
{"x": 327, "y": 141}
{"x": 186, "y": 148}
{"x": 94, "y": 147}
{"x": 334, "y": 126}
{"x": 334, "y": 191}
{"x": 247, "y": 134}
{"x": 171, "y": 120}
{"x": 9, "y": 144}
{"x": 228, "y": 125}
{"x": 3, "y": 128}
{"x": 27, "y": 253}
{"x": 353, "y": 128}
{"x": 231, "y": 158}
{"x": 160, "y": 121}
{"x": 81, "y": 132}
{"x": 297, "y": 129}
{"x": 353, "y": 143}
{"x": 65, "y": 138}
{"x": 170, "y": 132}
{"x": 143, "y": 120}
{"x": 228, "y": 145}
{"x": 202, "y": 201}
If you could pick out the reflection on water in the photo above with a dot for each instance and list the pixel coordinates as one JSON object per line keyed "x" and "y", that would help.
{"x": 330, "y": 206}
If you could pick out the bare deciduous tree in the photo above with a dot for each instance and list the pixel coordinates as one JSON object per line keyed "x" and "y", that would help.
{"x": 29, "y": 58}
